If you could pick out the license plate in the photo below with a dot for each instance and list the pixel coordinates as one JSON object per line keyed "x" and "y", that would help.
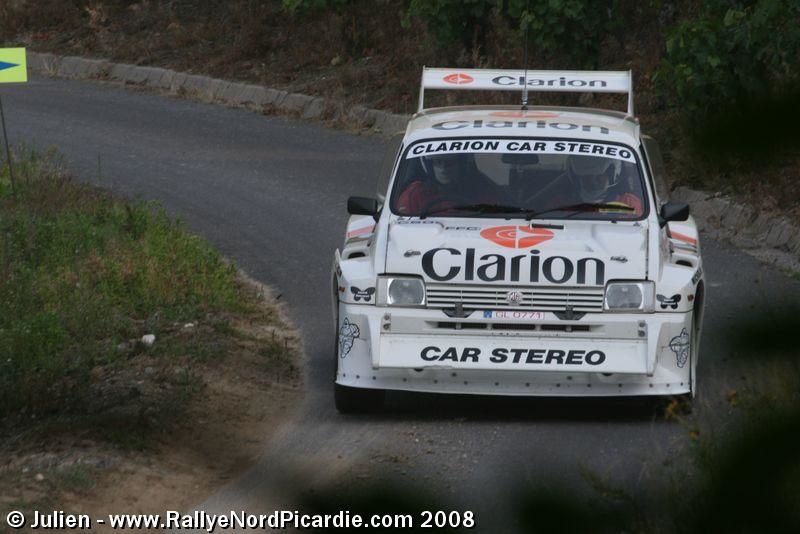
{"x": 514, "y": 315}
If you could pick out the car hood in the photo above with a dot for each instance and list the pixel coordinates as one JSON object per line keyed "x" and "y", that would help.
{"x": 481, "y": 251}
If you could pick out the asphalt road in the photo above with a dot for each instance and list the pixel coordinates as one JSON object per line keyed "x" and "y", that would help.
{"x": 271, "y": 193}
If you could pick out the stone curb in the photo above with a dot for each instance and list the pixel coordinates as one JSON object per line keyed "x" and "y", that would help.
{"x": 772, "y": 239}
{"x": 214, "y": 90}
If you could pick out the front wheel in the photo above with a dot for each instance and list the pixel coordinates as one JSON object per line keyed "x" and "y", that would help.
{"x": 695, "y": 351}
{"x": 357, "y": 400}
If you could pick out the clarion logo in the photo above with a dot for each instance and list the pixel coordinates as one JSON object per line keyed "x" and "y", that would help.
{"x": 552, "y": 82}
{"x": 528, "y": 268}
{"x": 517, "y": 236}
{"x": 458, "y": 78}
{"x": 524, "y": 124}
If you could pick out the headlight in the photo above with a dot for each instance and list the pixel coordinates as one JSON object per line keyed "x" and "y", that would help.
{"x": 630, "y": 297}
{"x": 400, "y": 291}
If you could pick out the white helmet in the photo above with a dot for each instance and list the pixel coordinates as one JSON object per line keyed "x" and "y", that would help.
{"x": 593, "y": 176}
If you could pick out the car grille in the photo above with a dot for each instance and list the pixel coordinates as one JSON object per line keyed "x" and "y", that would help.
{"x": 536, "y": 298}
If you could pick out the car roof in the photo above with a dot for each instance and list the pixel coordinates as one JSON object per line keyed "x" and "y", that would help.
{"x": 536, "y": 121}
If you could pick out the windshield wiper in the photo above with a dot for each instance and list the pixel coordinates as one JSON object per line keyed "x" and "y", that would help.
{"x": 476, "y": 208}
{"x": 529, "y": 214}
{"x": 583, "y": 206}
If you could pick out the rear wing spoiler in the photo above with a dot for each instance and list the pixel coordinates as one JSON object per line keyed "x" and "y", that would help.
{"x": 574, "y": 81}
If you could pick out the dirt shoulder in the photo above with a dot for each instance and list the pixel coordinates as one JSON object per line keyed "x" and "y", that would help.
{"x": 229, "y": 409}
{"x": 226, "y": 410}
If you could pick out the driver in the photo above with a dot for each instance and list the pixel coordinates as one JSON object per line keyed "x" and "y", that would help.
{"x": 598, "y": 180}
{"x": 446, "y": 185}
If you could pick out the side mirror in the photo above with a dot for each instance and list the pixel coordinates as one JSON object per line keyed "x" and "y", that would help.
{"x": 673, "y": 211}
{"x": 362, "y": 206}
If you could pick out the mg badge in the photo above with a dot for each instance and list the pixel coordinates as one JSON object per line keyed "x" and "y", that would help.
{"x": 514, "y": 297}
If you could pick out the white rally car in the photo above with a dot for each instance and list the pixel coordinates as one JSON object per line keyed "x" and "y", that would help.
{"x": 517, "y": 250}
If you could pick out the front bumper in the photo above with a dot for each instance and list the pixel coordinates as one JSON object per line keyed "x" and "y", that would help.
{"x": 509, "y": 353}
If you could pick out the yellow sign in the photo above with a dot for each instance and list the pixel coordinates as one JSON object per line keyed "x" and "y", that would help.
{"x": 13, "y": 66}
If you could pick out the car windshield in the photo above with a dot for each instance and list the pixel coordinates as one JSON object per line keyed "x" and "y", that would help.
{"x": 527, "y": 178}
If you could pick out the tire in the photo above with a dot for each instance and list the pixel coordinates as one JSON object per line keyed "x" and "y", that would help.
{"x": 697, "y": 326}
{"x": 357, "y": 400}
{"x": 694, "y": 355}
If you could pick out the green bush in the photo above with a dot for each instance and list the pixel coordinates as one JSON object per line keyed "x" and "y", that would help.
{"x": 731, "y": 51}
{"x": 573, "y": 29}
{"x": 453, "y": 21}
{"x": 310, "y": 6}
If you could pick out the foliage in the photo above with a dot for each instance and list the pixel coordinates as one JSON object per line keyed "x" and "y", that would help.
{"x": 732, "y": 50}
{"x": 769, "y": 140}
{"x": 453, "y": 20}
{"x": 82, "y": 273}
{"x": 574, "y": 28}
{"x": 310, "y": 6}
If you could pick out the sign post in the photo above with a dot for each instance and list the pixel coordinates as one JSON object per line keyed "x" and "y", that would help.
{"x": 13, "y": 69}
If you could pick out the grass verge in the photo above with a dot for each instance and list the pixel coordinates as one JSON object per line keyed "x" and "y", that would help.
{"x": 121, "y": 334}
{"x": 85, "y": 277}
